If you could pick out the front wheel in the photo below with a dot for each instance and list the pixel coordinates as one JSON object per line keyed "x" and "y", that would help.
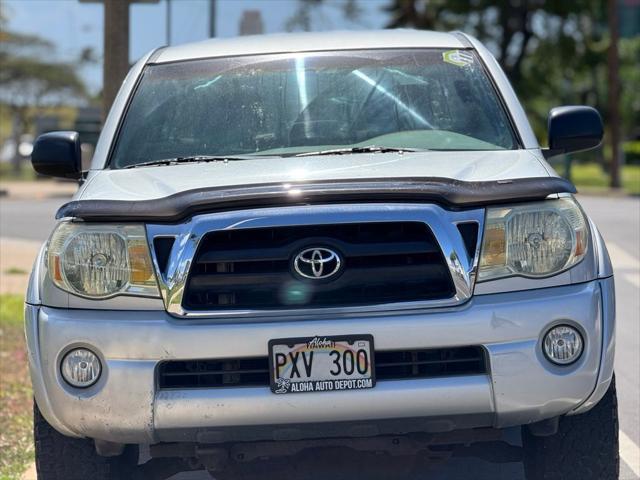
{"x": 59, "y": 457}
{"x": 584, "y": 448}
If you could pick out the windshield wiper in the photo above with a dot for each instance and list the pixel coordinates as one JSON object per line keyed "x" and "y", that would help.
{"x": 193, "y": 159}
{"x": 349, "y": 150}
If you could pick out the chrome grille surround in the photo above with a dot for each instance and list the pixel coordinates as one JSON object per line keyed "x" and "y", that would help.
{"x": 172, "y": 278}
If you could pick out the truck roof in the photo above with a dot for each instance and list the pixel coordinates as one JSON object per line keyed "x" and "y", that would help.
{"x": 309, "y": 42}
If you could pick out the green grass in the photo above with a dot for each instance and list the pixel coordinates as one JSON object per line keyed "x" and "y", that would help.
{"x": 15, "y": 271}
{"x": 631, "y": 179}
{"x": 11, "y": 310}
{"x": 16, "y": 442}
{"x": 591, "y": 176}
{"x": 26, "y": 172}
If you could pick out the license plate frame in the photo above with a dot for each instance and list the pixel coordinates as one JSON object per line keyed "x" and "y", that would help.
{"x": 358, "y": 381}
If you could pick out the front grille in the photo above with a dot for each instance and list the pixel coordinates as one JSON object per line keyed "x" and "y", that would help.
{"x": 441, "y": 362}
{"x": 253, "y": 268}
{"x": 254, "y": 371}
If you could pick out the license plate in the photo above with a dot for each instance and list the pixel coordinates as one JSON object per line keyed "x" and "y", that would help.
{"x": 321, "y": 364}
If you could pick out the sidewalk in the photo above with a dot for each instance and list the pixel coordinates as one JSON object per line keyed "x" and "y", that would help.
{"x": 30, "y": 474}
{"x": 16, "y": 261}
{"x": 37, "y": 189}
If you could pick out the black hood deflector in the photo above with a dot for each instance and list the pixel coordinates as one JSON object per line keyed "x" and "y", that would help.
{"x": 445, "y": 191}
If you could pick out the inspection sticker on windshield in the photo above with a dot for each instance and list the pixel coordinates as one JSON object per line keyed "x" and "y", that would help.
{"x": 321, "y": 364}
{"x": 459, "y": 58}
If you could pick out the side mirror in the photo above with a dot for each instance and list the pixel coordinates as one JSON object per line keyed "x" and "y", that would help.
{"x": 573, "y": 129}
{"x": 57, "y": 154}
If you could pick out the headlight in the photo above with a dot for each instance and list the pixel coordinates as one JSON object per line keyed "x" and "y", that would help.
{"x": 532, "y": 240}
{"x": 100, "y": 261}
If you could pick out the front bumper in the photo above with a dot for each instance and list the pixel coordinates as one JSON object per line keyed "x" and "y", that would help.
{"x": 126, "y": 406}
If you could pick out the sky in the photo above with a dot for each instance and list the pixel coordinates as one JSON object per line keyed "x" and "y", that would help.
{"x": 72, "y": 25}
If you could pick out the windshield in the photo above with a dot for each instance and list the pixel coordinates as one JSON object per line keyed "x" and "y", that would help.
{"x": 288, "y": 104}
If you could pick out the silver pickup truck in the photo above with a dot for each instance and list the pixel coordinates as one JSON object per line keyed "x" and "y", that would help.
{"x": 293, "y": 243}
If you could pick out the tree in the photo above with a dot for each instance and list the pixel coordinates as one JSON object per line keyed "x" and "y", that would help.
{"x": 546, "y": 48}
{"x": 554, "y": 52}
{"x": 308, "y": 10}
{"x": 28, "y": 83}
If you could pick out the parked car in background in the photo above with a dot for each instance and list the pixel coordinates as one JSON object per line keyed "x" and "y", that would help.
{"x": 22, "y": 149}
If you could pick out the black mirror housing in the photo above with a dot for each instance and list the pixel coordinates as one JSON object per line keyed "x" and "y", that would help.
{"x": 573, "y": 129}
{"x": 57, "y": 154}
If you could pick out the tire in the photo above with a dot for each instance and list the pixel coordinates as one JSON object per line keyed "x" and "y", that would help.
{"x": 59, "y": 457}
{"x": 584, "y": 448}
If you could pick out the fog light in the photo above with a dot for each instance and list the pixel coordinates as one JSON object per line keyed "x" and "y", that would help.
{"x": 81, "y": 368}
{"x": 563, "y": 345}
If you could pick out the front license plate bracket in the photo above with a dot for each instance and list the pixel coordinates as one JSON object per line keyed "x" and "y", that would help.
{"x": 321, "y": 363}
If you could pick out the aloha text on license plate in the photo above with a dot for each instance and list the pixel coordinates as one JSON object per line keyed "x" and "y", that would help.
{"x": 321, "y": 364}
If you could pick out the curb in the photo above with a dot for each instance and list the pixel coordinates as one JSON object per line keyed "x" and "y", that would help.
{"x": 36, "y": 190}
{"x": 604, "y": 192}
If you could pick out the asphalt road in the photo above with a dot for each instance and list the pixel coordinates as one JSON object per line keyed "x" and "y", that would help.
{"x": 619, "y": 221}
{"x": 28, "y": 219}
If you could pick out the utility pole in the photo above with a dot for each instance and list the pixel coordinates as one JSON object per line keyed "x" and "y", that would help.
{"x": 116, "y": 47}
{"x": 116, "y": 50}
{"x": 212, "y": 18}
{"x": 168, "y": 22}
{"x": 614, "y": 93}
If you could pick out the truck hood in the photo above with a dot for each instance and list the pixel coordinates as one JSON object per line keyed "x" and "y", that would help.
{"x": 156, "y": 182}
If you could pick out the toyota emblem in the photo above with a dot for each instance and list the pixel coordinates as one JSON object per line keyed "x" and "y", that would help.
{"x": 317, "y": 263}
